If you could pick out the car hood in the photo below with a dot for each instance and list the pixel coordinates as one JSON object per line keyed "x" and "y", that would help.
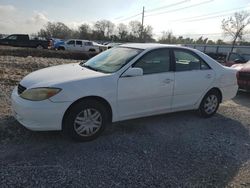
{"x": 242, "y": 67}
{"x": 58, "y": 74}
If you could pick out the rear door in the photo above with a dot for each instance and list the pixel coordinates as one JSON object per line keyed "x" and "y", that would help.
{"x": 79, "y": 45}
{"x": 192, "y": 78}
{"x": 88, "y": 46}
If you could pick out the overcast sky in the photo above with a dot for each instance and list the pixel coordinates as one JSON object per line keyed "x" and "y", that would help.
{"x": 182, "y": 17}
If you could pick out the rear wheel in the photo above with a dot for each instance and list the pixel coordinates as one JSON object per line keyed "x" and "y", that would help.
{"x": 85, "y": 120}
{"x": 210, "y": 104}
{"x": 92, "y": 50}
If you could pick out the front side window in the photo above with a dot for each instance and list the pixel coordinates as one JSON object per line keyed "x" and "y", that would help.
{"x": 71, "y": 42}
{"x": 12, "y": 37}
{"x": 186, "y": 61}
{"x": 156, "y": 61}
{"x": 112, "y": 60}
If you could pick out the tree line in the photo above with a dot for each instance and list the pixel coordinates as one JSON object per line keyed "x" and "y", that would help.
{"x": 105, "y": 30}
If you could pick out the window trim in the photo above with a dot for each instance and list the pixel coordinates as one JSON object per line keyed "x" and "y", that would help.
{"x": 192, "y": 53}
{"x": 171, "y": 66}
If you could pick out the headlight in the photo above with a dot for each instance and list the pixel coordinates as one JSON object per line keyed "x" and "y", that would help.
{"x": 39, "y": 94}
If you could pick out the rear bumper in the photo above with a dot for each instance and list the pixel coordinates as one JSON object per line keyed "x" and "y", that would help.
{"x": 229, "y": 92}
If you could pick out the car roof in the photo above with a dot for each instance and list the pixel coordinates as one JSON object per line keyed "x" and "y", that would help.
{"x": 145, "y": 46}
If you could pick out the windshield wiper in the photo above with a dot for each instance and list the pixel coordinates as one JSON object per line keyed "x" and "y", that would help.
{"x": 89, "y": 67}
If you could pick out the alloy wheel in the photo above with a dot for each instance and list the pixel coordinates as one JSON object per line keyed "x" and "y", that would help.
{"x": 88, "y": 122}
{"x": 211, "y": 104}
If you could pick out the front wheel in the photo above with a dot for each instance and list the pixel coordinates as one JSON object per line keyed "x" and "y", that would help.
{"x": 61, "y": 48}
{"x": 210, "y": 104}
{"x": 85, "y": 120}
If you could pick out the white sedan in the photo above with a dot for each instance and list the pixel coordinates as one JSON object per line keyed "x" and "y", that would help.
{"x": 125, "y": 82}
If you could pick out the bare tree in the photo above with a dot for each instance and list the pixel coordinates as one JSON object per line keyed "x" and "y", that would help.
{"x": 135, "y": 28}
{"x": 84, "y": 31}
{"x": 166, "y": 37}
{"x": 147, "y": 34}
{"x": 110, "y": 28}
{"x": 100, "y": 27}
{"x": 104, "y": 27}
{"x": 122, "y": 31}
{"x": 234, "y": 26}
{"x": 56, "y": 30}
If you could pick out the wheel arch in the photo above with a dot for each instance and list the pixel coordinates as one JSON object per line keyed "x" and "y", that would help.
{"x": 95, "y": 98}
{"x": 216, "y": 89}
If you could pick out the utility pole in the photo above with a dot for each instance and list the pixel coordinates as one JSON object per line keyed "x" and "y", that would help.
{"x": 142, "y": 23}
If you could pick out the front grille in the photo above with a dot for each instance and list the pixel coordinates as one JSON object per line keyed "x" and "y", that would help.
{"x": 244, "y": 75}
{"x": 20, "y": 89}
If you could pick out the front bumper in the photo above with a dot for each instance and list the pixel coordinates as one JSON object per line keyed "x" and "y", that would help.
{"x": 38, "y": 115}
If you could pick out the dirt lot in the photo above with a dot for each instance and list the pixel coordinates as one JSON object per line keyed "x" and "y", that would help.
{"x": 174, "y": 150}
{"x": 62, "y": 54}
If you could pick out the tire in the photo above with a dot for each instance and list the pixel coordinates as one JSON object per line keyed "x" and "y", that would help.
{"x": 61, "y": 48}
{"x": 39, "y": 47}
{"x": 92, "y": 50}
{"x": 210, "y": 104}
{"x": 85, "y": 120}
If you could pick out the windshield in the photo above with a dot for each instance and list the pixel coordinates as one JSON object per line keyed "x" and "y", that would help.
{"x": 112, "y": 60}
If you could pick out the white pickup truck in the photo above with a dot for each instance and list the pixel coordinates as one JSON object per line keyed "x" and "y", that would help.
{"x": 79, "y": 45}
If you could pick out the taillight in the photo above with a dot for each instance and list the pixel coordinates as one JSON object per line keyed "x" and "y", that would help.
{"x": 50, "y": 43}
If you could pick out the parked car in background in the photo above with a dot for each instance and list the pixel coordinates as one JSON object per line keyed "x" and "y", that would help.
{"x": 126, "y": 82}
{"x": 234, "y": 58}
{"x": 79, "y": 45}
{"x": 20, "y": 40}
{"x": 100, "y": 46}
{"x": 55, "y": 43}
{"x": 243, "y": 75}
{"x": 111, "y": 45}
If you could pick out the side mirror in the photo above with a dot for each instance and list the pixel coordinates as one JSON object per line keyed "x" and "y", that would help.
{"x": 133, "y": 71}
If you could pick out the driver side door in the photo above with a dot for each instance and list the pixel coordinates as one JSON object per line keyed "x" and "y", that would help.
{"x": 150, "y": 93}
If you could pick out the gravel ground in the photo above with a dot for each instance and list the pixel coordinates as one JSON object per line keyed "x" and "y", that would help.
{"x": 172, "y": 150}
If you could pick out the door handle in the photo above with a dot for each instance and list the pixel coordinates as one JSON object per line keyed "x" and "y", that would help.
{"x": 167, "y": 81}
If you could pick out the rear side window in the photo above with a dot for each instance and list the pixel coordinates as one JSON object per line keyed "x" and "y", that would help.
{"x": 78, "y": 42}
{"x": 156, "y": 61}
{"x": 187, "y": 61}
{"x": 88, "y": 44}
